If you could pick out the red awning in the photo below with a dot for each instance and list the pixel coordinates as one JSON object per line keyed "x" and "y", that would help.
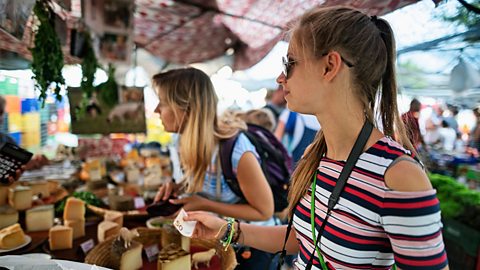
{"x": 189, "y": 31}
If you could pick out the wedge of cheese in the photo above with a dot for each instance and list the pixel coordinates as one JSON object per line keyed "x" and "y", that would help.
{"x": 8, "y": 216}
{"x": 74, "y": 209}
{"x": 11, "y": 237}
{"x": 180, "y": 260}
{"x": 114, "y": 216}
{"x": 107, "y": 229}
{"x": 40, "y": 218}
{"x": 132, "y": 258}
{"x": 60, "y": 237}
{"x": 20, "y": 197}
{"x": 78, "y": 226}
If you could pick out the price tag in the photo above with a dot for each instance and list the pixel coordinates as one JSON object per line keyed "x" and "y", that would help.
{"x": 87, "y": 245}
{"x": 151, "y": 252}
{"x": 139, "y": 202}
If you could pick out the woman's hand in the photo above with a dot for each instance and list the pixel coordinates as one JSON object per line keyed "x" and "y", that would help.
{"x": 192, "y": 202}
{"x": 165, "y": 190}
{"x": 208, "y": 225}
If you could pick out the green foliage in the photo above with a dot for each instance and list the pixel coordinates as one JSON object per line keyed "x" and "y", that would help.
{"x": 410, "y": 75}
{"x": 89, "y": 67}
{"x": 86, "y": 196}
{"x": 108, "y": 91}
{"x": 457, "y": 201}
{"x": 462, "y": 16}
{"x": 47, "y": 53}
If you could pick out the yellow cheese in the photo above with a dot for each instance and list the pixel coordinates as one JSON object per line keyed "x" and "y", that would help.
{"x": 132, "y": 174}
{"x": 12, "y": 237}
{"x": 182, "y": 262}
{"x": 53, "y": 186}
{"x": 107, "y": 229}
{"x": 3, "y": 195}
{"x": 39, "y": 218}
{"x": 20, "y": 197}
{"x": 78, "y": 226}
{"x": 114, "y": 216}
{"x": 60, "y": 237}
{"x": 74, "y": 209}
{"x": 8, "y": 216}
{"x": 132, "y": 258}
{"x": 39, "y": 187}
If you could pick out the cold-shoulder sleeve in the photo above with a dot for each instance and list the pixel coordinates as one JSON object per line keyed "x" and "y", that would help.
{"x": 413, "y": 224}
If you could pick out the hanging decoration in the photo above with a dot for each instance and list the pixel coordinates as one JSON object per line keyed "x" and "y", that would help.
{"x": 47, "y": 54}
{"x": 108, "y": 91}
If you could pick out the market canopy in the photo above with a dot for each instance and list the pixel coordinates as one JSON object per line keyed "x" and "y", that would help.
{"x": 190, "y": 31}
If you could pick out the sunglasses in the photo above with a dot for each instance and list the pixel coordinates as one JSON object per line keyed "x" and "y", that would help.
{"x": 289, "y": 63}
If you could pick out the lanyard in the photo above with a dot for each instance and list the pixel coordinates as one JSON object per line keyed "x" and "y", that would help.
{"x": 312, "y": 220}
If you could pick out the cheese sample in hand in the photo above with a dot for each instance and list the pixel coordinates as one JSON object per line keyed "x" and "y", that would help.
{"x": 8, "y": 216}
{"x": 60, "y": 237}
{"x": 78, "y": 226}
{"x": 39, "y": 218}
{"x": 20, "y": 197}
{"x": 11, "y": 237}
{"x": 107, "y": 229}
{"x": 74, "y": 209}
{"x": 114, "y": 216}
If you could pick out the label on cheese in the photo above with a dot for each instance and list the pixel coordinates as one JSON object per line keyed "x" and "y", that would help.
{"x": 152, "y": 252}
{"x": 87, "y": 246}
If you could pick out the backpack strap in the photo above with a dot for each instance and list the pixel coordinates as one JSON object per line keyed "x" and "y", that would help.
{"x": 225, "y": 152}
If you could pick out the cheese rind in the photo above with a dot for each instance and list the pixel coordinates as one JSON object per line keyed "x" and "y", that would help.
{"x": 8, "y": 216}
{"x": 4, "y": 195}
{"x": 182, "y": 262}
{"x": 60, "y": 237}
{"x": 78, "y": 226}
{"x": 40, "y": 218}
{"x": 20, "y": 197}
{"x": 74, "y": 209}
{"x": 107, "y": 229}
{"x": 114, "y": 216}
{"x": 11, "y": 237}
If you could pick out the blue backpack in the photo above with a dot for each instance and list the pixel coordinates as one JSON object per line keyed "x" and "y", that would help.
{"x": 276, "y": 163}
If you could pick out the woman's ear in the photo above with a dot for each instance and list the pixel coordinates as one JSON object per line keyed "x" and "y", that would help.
{"x": 333, "y": 62}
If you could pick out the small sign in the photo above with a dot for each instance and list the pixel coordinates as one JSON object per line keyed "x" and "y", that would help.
{"x": 139, "y": 202}
{"x": 151, "y": 252}
{"x": 87, "y": 245}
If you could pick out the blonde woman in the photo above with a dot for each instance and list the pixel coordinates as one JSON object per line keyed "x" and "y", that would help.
{"x": 188, "y": 106}
{"x": 340, "y": 67}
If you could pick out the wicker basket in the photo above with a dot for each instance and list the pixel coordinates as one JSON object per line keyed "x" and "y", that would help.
{"x": 100, "y": 255}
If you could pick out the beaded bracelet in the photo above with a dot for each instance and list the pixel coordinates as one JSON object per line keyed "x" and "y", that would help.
{"x": 227, "y": 238}
{"x": 237, "y": 235}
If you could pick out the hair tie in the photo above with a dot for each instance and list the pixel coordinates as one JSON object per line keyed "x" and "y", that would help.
{"x": 374, "y": 18}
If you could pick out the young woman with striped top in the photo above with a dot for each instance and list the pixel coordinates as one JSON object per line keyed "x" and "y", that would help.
{"x": 340, "y": 67}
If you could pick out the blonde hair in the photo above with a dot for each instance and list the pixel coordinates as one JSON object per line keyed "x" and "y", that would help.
{"x": 191, "y": 90}
{"x": 368, "y": 43}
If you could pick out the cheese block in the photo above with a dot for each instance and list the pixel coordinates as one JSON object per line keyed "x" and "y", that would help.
{"x": 4, "y": 195}
{"x": 132, "y": 174}
{"x": 8, "y": 216}
{"x": 173, "y": 259}
{"x": 126, "y": 257}
{"x": 40, "y": 218}
{"x": 20, "y": 197}
{"x": 11, "y": 237}
{"x": 114, "y": 216}
{"x": 53, "y": 186}
{"x": 74, "y": 209}
{"x": 60, "y": 237}
{"x": 121, "y": 203}
{"x": 78, "y": 226}
{"x": 107, "y": 229}
{"x": 39, "y": 188}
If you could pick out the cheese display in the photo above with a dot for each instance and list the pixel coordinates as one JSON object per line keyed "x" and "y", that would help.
{"x": 39, "y": 188}
{"x": 107, "y": 229}
{"x": 40, "y": 218}
{"x": 11, "y": 237}
{"x": 114, "y": 216}
{"x": 133, "y": 174}
{"x": 3, "y": 195}
{"x": 126, "y": 254}
{"x": 77, "y": 225}
{"x": 20, "y": 197}
{"x": 121, "y": 202}
{"x": 74, "y": 209}
{"x": 53, "y": 186}
{"x": 173, "y": 257}
{"x": 60, "y": 237}
{"x": 8, "y": 216}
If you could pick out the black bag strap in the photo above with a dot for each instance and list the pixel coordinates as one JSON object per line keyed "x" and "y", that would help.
{"x": 339, "y": 186}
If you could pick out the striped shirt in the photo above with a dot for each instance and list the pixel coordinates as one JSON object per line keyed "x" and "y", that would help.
{"x": 371, "y": 226}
